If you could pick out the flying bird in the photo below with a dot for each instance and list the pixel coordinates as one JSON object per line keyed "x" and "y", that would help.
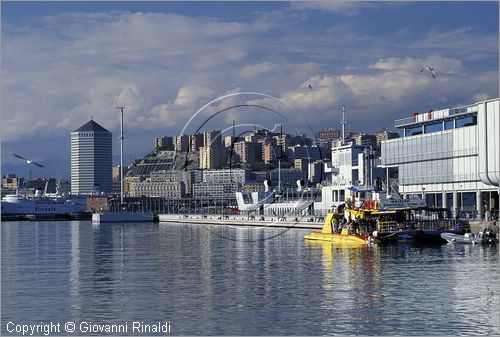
{"x": 28, "y": 161}
{"x": 310, "y": 87}
{"x": 431, "y": 70}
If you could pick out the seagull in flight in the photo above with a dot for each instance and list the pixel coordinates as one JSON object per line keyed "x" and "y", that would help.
{"x": 28, "y": 161}
{"x": 431, "y": 70}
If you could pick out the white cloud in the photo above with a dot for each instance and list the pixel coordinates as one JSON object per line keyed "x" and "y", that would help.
{"x": 343, "y": 7}
{"x": 69, "y": 67}
{"x": 326, "y": 91}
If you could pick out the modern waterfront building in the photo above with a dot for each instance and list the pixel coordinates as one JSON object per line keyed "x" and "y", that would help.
{"x": 450, "y": 157}
{"x": 91, "y": 159}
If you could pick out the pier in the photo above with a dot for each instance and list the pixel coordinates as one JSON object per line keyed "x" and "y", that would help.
{"x": 238, "y": 220}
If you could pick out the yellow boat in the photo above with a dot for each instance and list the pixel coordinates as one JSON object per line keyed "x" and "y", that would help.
{"x": 344, "y": 237}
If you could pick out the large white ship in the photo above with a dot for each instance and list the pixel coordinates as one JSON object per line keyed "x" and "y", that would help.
{"x": 38, "y": 206}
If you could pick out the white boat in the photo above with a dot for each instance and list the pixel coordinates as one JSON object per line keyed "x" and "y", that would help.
{"x": 466, "y": 238}
{"x": 40, "y": 206}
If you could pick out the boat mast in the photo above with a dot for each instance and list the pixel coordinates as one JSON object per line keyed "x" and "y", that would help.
{"x": 121, "y": 108}
{"x": 343, "y": 123}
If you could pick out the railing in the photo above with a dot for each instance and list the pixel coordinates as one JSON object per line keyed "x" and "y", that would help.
{"x": 387, "y": 226}
{"x": 437, "y": 224}
{"x": 404, "y": 121}
{"x": 426, "y": 116}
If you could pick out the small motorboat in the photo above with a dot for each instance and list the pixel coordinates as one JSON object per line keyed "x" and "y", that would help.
{"x": 457, "y": 238}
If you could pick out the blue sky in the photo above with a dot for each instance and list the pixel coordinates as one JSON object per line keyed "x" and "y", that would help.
{"x": 63, "y": 63}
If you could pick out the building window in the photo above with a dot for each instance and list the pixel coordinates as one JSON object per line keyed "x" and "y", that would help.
{"x": 448, "y": 125}
{"x": 417, "y": 130}
{"x": 465, "y": 121}
{"x": 434, "y": 127}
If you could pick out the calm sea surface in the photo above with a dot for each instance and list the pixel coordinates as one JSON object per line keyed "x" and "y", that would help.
{"x": 216, "y": 280}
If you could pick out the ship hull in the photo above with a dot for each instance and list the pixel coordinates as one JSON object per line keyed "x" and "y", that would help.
{"x": 121, "y": 217}
{"x": 352, "y": 239}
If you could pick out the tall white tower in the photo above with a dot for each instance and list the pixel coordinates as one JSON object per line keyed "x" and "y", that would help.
{"x": 91, "y": 159}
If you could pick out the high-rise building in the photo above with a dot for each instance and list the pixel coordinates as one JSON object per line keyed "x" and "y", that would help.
{"x": 181, "y": 143}
{"x": 91, "y": 159}
{"x": 212, "y": 157}
{"x": 165, "y": 143}
{"x": 212, "y": 138}
{"x": 245, "y": 152}
{"x": 196, "y": 141}
{"x": 270, "y": 152}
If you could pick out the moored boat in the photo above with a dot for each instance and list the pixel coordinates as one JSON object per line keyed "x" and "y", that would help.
{"x": 456, "y": 238}
{"x": 422, "y": 225}
{"x": 21, "y": 207}
{"x": 485, "y": 237}
{"x": 346, "y": 236}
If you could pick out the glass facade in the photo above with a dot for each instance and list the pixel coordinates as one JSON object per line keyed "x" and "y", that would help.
{"x": 434, "y": 127}
{"x": 458, "y": 122}
{"x": 436, "y": 157}
{"x": 423, "y": 147}
{"x": 465, "y": 121}
{"x": 416, "y": 130}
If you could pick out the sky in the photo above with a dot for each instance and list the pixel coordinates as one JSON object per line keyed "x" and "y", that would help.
{"x": 64, "y": 63}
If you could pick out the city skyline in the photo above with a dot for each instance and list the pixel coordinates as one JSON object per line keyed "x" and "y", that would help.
{"x": 64, "y": 63}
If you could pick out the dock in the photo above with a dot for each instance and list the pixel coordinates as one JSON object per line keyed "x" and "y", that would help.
{"x": 238, "y": 220}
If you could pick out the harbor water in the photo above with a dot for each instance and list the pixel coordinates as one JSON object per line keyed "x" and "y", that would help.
{"x": 223, "y": 280}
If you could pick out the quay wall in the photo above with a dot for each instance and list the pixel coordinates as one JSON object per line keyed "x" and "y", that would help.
{"x": 238, "y": 220}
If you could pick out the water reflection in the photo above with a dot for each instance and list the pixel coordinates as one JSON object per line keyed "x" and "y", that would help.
{"x": 205, "y": 284}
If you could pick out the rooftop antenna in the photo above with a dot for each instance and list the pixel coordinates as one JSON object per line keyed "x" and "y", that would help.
{"x": 343, "y": 123}
{"x": 121, "y": 108}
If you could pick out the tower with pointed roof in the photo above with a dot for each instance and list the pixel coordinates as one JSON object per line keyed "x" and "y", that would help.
{"x": 91, "y": 159}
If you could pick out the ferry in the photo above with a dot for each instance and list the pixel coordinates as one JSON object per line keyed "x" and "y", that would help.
{"x": 18, "y": 206}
